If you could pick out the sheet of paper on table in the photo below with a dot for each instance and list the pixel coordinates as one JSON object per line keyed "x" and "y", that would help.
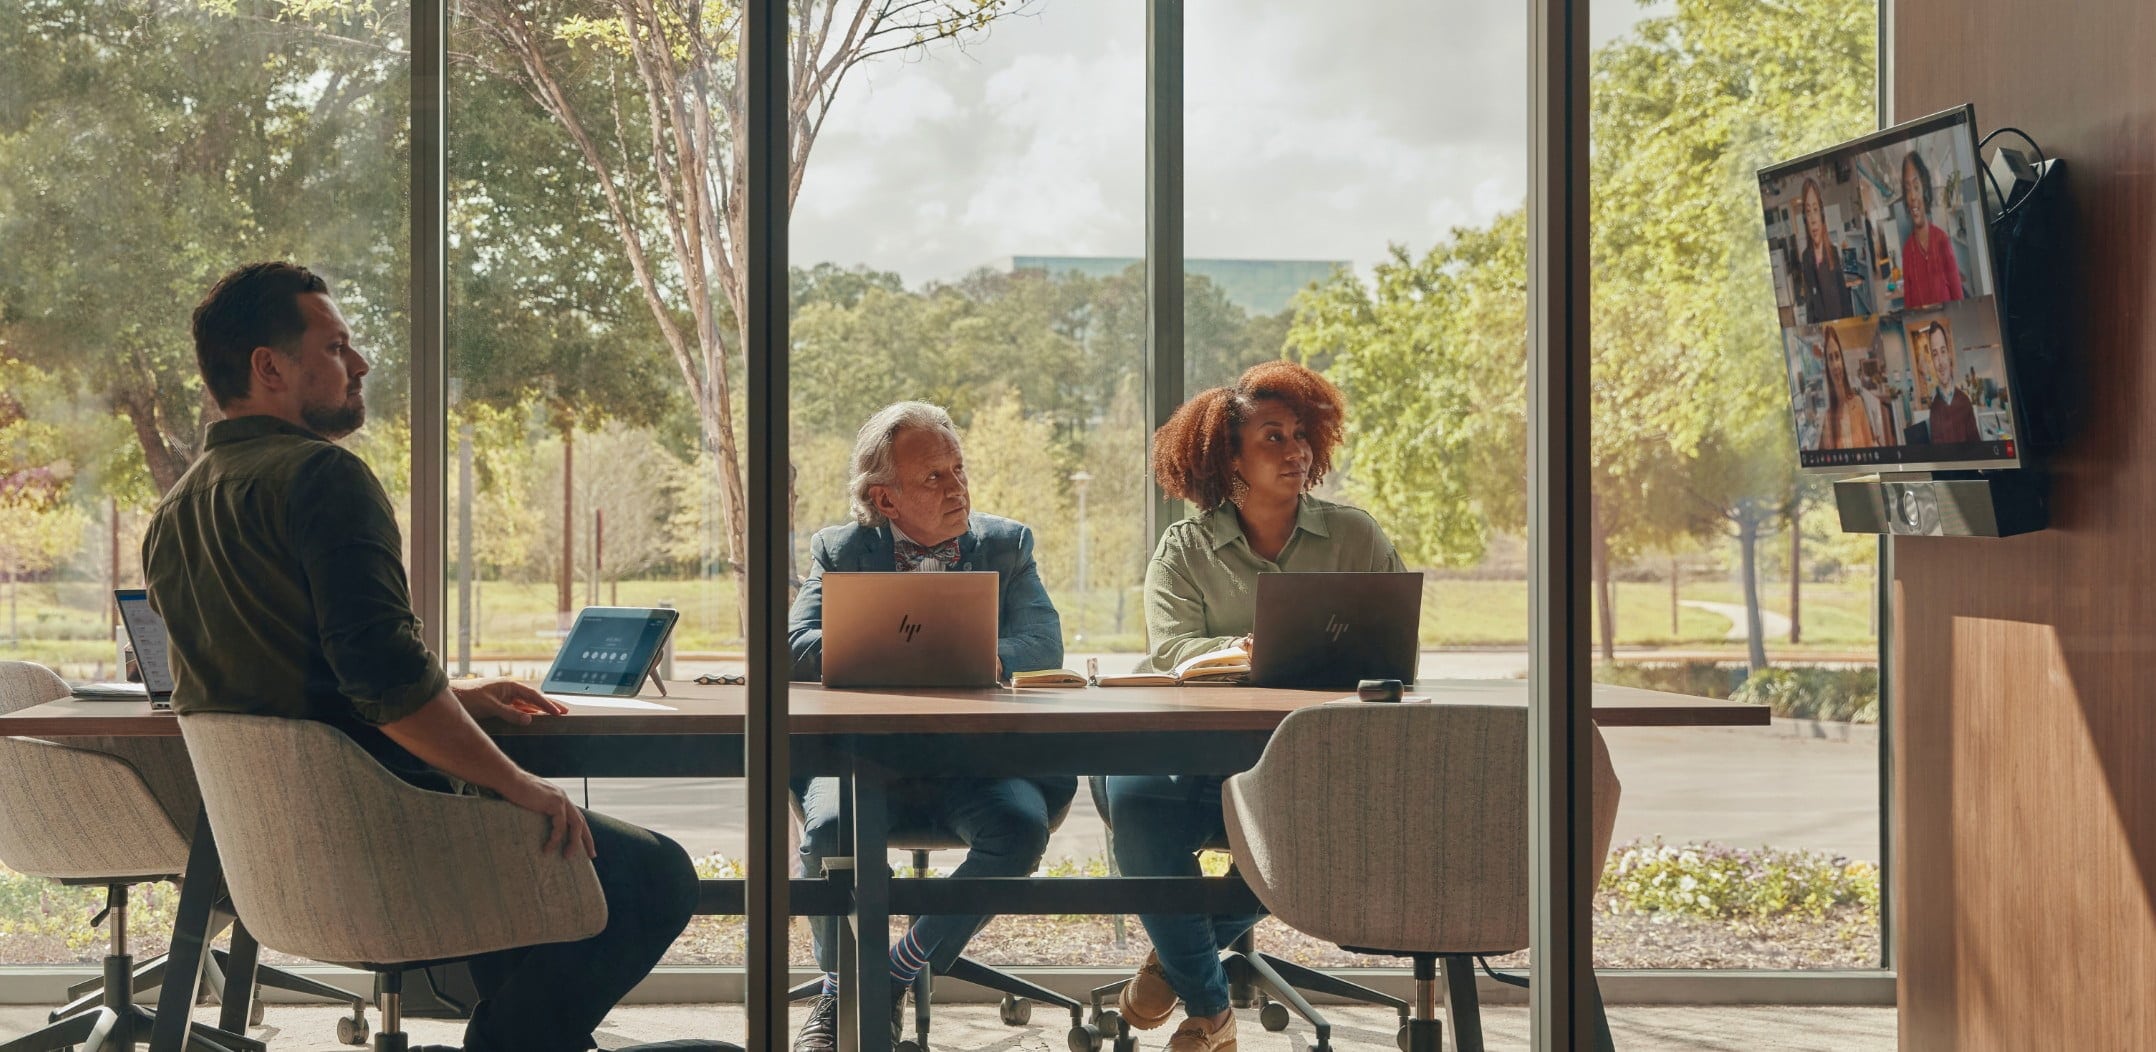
{"x": 576, "y": 701}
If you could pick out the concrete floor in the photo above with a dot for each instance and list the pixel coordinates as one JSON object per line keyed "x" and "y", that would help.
{"x": 975, "y": 1028}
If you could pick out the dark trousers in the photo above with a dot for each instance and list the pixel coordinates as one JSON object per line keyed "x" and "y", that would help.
{"x": 548, "y": 998}
{"x": 1003, "y": 822}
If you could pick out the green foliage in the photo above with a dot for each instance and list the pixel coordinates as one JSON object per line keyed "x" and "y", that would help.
{"x": 1690, "y": 434}
{"x": 1849, "y": 695}
{"x": 282, "y": 138}
{"x": 1723, "y": 883}
{"x": 39, "y": 908}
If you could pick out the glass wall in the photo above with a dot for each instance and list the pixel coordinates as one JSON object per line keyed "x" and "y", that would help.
{"x": 970, "y": 233}
{"x": 1718, "y": 570}
{"x": 147, "y": 148}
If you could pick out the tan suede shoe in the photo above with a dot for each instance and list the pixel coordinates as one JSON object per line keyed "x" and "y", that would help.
{"x": 1147, "y": 1000}
{"x": 1198, "y": 1035}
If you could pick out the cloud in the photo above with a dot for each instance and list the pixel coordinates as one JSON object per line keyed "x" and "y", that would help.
{"x": 1311, "y": 132}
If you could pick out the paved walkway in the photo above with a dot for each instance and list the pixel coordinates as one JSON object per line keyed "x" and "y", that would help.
{"x": 1771, "y": 624}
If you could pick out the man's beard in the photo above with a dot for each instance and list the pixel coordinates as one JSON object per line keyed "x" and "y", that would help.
{"x": 335, "y": 421}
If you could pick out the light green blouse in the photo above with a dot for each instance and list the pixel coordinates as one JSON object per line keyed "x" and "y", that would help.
{"x": 1201, "y": 590}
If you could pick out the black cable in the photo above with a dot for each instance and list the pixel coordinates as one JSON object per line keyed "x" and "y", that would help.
{"x": 2041, "y": 172}
{"x": 1996, "y": 132}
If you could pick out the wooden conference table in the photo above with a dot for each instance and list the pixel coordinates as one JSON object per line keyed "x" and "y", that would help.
{"x": 876, "y": 737}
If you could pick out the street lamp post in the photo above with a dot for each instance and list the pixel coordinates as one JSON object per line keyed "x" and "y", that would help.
{"x": 1080, "y": 479}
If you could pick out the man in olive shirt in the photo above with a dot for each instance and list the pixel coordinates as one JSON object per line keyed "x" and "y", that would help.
{"x": 276, "y": 563}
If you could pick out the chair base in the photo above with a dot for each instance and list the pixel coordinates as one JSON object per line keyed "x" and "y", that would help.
{"x": 118, "y": 1024}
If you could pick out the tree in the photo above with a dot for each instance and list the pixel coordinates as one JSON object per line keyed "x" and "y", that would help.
{"x": 236, "y": 117}
{"x": 1686, "y": 107}
{"x": 663, "y": 75}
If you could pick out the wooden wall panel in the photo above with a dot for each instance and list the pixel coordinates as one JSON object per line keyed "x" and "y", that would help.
{"x": 2025, "y": 738}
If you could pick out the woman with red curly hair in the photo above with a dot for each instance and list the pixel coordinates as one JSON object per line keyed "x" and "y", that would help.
{"x": 1247, "y": 456}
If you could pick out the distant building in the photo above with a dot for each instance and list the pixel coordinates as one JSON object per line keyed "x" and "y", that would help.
{"x": 1260, "y": 286}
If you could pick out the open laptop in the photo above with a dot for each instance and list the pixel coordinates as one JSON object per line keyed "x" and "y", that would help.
{"x": 153, "y": 661}
{"x": 910, "y": 629}
{"x": 1329, "y": 630}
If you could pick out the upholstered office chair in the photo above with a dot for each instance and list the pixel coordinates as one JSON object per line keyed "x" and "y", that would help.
{"x": 162, "y": 766}
{"x": 1401, "y": 830}
{"x": 1018, "y": 995}
{"x": 1273, "y": 985}
{"x": 79, "y": 817}
{"x": 331, "y": 857}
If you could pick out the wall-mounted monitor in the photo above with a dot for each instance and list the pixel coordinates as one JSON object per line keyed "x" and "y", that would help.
{"x": 1888, "y": 305}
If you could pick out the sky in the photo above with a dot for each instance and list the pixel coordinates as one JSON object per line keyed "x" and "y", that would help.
{"x": 1312, "y": 131}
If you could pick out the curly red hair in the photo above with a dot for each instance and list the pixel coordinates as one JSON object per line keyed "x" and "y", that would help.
{"x": 1194, "y": 452}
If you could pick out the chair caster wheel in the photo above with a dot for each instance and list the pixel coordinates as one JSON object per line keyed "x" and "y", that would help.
{"x": 353, "y": 1030}
{"x": 255, "y": 1010}
{"x": 1109, "y": 1024}
{"x": 1016, "y": 1011}
{"x": 1086, "y": 1038}
{"x": 908, "y": 1046}
{"x": 1400, "y": 1038}
{"x": 1273, "y": 1017}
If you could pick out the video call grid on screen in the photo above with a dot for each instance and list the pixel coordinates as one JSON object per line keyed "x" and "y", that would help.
{"x": 1907, "y": 317}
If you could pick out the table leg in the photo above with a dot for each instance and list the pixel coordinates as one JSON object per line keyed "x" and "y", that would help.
{"x": 191, "y": 934}
{"x": 849, "y": 991}
{"x": 872, "y": 907}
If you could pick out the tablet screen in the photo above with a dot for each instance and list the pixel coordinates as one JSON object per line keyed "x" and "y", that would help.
{"x": 609, "y": 651}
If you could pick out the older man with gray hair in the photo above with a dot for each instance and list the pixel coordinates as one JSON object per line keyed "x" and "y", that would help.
{"x": 912, "y": 513}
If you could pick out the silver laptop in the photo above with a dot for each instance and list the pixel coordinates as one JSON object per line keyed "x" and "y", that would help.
{"x": 909, "y": 629}
{"x": 1329, "y": 630}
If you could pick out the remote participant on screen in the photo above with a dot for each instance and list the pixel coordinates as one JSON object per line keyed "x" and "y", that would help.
{"x": 1930, "y": 274}
{"x": 1953, "y": 417}
{"x": 1847, "y": 425}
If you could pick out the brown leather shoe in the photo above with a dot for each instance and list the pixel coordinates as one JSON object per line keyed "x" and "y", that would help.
{"x": 1146, "y": 1000}
{"x": 1198, "y": 1035}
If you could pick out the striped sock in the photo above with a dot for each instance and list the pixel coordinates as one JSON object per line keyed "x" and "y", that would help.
{"x": 907, "y": 960}
{"x": 830, "y": 984}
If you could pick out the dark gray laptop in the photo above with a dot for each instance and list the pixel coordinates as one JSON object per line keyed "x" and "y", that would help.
{"x": 146, "y": 637}
{"x": 1325, "y": 631}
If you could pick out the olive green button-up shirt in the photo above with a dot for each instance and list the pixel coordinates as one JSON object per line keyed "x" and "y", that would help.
{"x": 1201, "y": 590}
{"x": 278, "y": 568}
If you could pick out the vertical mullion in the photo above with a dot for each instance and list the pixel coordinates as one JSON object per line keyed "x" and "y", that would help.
{"x": 1560, "y": 687}
{"x": 763, "y": 80}
{"x": 1163, "y": 236}
{"x": 1889, "y": 895}
{"x": 429, "y": 400}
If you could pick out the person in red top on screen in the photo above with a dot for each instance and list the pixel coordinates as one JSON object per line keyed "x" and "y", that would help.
{"x": 1953, "y": 417}
{"x": 1930, "y": 274}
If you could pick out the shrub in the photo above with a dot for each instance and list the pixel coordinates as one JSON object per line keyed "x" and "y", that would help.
{"x": 1725, "y": 883}
{"x": 1802, "y": 692}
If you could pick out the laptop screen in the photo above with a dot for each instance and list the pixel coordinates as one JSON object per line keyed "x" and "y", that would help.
{"x": 146, "y": 631}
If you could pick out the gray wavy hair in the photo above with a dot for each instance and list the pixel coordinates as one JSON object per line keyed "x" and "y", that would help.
{"x": 872, "y": 464}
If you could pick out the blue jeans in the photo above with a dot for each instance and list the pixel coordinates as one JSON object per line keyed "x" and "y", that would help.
{"x": 1004, "y": 822}
{"x": 1160, "y": 822}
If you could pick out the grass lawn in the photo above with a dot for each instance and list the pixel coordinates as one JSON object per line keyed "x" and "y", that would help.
{"x": 64, "y": 624}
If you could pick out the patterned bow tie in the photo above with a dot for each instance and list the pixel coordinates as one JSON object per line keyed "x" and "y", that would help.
{"x": 911, "y": 554}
